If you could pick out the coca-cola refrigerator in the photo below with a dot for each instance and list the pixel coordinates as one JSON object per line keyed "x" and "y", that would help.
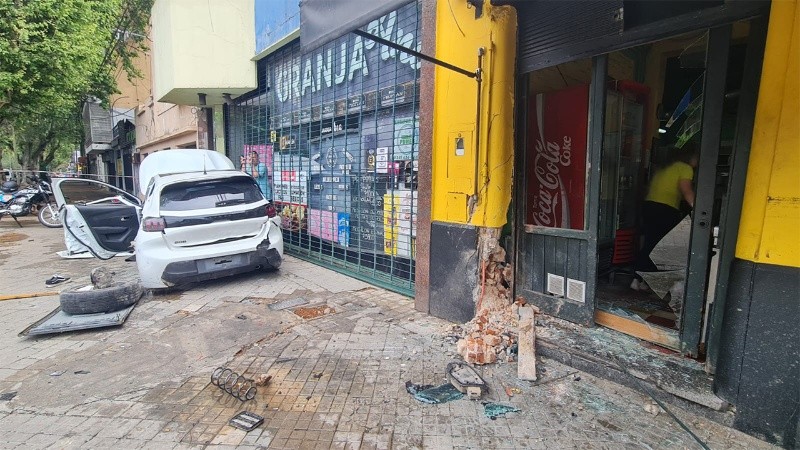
{"x": 556, "y": 166}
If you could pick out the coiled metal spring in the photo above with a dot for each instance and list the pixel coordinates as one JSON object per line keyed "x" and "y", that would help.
{"x": 234, "y": 384}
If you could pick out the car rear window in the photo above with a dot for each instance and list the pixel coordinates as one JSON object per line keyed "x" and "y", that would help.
{"x": 210, "y": 194}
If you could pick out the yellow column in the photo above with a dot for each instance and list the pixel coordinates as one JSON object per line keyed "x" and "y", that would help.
{"x": 458, "y": 137}
{"x": 768, "y": 229}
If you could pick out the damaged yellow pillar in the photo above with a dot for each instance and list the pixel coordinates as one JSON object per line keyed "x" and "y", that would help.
{"x": 473, "y": 135}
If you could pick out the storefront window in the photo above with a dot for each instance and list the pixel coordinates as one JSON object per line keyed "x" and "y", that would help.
{"x": 338, "y": 128}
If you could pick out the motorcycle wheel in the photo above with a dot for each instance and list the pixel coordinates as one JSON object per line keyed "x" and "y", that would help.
{"x": 49, "y": 216}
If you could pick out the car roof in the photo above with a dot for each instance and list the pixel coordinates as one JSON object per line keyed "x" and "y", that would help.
{"x": 183, "y": 160}
{"x": 171, "y": 178}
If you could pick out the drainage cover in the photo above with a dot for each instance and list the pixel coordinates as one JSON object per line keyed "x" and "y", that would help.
{"x": 246, "y": 421}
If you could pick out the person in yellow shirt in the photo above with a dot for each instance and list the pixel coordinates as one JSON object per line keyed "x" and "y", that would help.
{"x": 661, "y": 210}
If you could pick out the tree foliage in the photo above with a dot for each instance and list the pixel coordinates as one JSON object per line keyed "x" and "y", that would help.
{"x": 54, "y": 54}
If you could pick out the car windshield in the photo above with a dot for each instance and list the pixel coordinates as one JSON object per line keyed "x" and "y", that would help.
{"x": 210, "y": 194}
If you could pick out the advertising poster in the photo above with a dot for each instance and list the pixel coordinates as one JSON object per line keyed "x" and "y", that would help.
{"x": 343, "y": 228}
{"x": 323, "y": 224}
{"x": 557, "y": 158}
{"x": 400, "y": 223}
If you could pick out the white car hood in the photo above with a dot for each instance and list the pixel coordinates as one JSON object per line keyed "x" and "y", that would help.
{"x": 181, "y": 161}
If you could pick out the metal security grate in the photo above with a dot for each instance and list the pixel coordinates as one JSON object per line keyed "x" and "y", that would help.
{"x": 338, "y": 129}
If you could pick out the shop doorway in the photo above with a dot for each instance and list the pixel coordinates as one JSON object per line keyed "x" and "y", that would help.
{"x": 602, "y": 136}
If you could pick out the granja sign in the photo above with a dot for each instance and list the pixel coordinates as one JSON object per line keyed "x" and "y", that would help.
{"x": 351, "y": 64}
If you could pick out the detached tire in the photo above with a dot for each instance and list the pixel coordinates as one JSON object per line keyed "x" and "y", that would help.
{"x": 117, "y": 296}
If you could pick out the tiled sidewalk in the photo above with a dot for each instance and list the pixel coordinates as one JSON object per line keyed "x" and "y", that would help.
{"x": 338, "y": 379}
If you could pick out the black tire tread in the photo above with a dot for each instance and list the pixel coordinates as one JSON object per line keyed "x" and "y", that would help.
{"x": 114, "y": 298}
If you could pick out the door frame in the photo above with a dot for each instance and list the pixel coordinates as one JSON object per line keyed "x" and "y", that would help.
{"x": 732, "y": 204}
{"x": 561, "y": 306}
{"x": 696, "y": 282}
{"x": 700, "y": 240}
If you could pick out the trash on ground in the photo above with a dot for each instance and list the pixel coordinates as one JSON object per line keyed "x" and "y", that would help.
{"x": 466, "y": 380}
{"x": 58, "y": 373}
{"x": 234, "y": 384}
{"x": 55, "y": 279}
{"x": 285, "y": 304}
{"x": 433, "y": 395}
{"x": 7, "y": 396}
{"x": 652, "y": 408}
{"x": 246, "y": 421}
{"x": 81, "y": 372}
{"x": 512, "y": 391}
{"x": 263, "y": 379}
{"x": 58, "y": 321}
{"x": 413, "y": 389}
{"x": 495, "y": 410}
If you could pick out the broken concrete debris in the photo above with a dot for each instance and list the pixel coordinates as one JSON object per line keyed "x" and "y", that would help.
{"x": 263, "y": 379}
{"x": 102, "y": 278}
{"x": 488, "y": 337}
{"x": 652, "y": 408}
{"x": 466, "y": 380}
{"x": 526, "y": 365}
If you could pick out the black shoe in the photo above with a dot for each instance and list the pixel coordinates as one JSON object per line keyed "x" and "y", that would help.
{"x": 55, "y": 279}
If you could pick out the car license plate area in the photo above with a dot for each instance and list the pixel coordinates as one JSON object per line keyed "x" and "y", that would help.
{"x": 221, "y": 263}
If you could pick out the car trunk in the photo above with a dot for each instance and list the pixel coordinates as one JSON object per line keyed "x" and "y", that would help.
{"x": 212, "y": 211}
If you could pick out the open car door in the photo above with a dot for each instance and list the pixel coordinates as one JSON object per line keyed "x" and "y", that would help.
{"x": 98, "y": 217}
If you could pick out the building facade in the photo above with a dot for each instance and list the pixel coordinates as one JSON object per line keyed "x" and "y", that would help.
{"x": 338, "y": 129}
{"x": 530, "y": 165}
{"x": 566, "y": 134}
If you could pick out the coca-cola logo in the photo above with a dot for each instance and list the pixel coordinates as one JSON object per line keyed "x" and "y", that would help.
{"x": 551, "y": 204}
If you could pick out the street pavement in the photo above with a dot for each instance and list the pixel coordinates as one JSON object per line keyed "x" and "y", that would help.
{"x": 339, "y": 367}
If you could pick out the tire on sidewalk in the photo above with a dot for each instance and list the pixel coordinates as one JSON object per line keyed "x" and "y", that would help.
{"x": 117, "y": 296}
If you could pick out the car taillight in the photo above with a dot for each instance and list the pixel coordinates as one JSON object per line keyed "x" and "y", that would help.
{"x": 154, "y": 224}
{"x": 271, "y": 211}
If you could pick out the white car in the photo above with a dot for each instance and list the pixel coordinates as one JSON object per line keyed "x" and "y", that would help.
{"x": 201, "y": 219}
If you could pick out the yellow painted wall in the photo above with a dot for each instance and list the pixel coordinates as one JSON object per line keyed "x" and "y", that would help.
{"x": 202, "y": 47}
{"x": 459, "y": 35}
{"x": 133, "y": 93}
{"x": 769, "y": 230}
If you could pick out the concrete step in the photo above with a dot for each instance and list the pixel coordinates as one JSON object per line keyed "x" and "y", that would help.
{"x": 634, "y": 363}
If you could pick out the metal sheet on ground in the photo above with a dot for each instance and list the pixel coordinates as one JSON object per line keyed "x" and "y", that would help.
{"x": 60, "y": 322}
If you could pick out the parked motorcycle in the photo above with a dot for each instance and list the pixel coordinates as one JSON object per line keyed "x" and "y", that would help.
{"x": 35, "y": 199}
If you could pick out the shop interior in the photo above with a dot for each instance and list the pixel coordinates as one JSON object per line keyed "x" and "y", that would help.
{"x": 654, "y": 111}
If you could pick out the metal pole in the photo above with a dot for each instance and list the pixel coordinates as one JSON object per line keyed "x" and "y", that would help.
{"x": 411, "y": 52}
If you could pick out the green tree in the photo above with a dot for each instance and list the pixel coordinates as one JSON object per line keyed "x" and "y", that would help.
{"x": 54, "y": 54}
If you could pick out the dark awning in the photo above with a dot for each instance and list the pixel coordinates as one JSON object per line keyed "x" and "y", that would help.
{"x": 322, "y": 21}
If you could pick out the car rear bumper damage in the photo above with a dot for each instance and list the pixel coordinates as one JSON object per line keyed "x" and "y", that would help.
{"x": 182, "y": 272}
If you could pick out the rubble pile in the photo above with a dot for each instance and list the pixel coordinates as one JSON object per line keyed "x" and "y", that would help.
{"x": 491, "y": 335}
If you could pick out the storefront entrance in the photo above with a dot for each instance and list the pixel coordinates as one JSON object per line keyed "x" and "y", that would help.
{"x": 625, "y": 182}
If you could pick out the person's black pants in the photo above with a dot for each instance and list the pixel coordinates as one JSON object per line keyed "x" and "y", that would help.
{"x": 658, "y": 219}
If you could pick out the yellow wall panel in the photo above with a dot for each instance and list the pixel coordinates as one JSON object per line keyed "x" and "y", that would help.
{"x": 459, "y": 35}
{"x": 768, "y": 230}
